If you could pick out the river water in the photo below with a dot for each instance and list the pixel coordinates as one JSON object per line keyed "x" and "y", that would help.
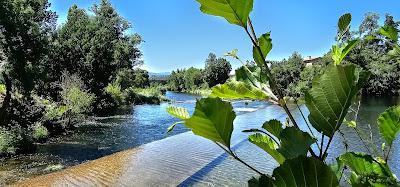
{"x": 147, "y": 123}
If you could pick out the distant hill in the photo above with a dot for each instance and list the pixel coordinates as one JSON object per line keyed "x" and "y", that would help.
{"x": 160, "y": 74}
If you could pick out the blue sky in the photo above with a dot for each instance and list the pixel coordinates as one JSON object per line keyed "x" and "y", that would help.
{"x": 178, "y": 35}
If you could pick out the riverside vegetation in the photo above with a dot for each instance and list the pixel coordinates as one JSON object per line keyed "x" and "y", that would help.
{"x": 301, "y": 155}
{"x": 52, "y": 77}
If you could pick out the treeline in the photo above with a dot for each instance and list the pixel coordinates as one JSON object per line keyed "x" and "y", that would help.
{"x": 294, "y": 77}
{"x": 53, "y": 77}
{"x": 216, "y": 71}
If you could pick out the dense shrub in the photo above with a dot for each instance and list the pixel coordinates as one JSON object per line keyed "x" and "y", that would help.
{"x": 40, "y": 133}
{"x": 185, "y": 80}
{"x": 137, "y": 78}
{"x": 216, "y": 70}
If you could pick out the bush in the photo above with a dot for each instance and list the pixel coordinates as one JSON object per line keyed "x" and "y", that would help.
{"x": 40, "y": 133}
{"x": 2, "y": 89}
{"x": 7, "y": 142}
{"x": 76, "y": 99}
{"x": 115, "y": 91}
{"x": 127, "y": 78}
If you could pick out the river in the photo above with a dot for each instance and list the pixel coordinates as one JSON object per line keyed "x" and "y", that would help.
{"x": 147, "y": 123}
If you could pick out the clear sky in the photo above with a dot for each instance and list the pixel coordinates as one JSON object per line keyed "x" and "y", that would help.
{"x": 178, "y": 35}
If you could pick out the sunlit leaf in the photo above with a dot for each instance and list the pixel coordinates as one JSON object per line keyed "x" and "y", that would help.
{"x": 294, "y": 142}
{"x": 251, "y": 75}
{"x": 367, "y": 170}
{"x": 178, "y": 112}
{"x": 394, "y": 53}
{"x": 274, "y": 127}
{"x": 212, "y": 119}
{"x": 331, "y": 96}
{"x": 339, "y": 53}
{"x": 389, "y": 123}
{"x": 268, "y": 145}
{"x": 232, "y": 54}
{"x": 238, "y": 90}
{"x": 351, "y": 124}
{"x": 265, "y": 43}
{"x": 171, "y": 128}
{"x": 234, "y": 11}
{"x": 344, "y": 23}
{"x": 390, "y": 32}
{"x": 302, "y": 172}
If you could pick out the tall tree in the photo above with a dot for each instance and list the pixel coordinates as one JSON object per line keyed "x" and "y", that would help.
{"x": 25, "y": 27}
{"x": 369, "y": 23}
{"x": 216, "y": 70}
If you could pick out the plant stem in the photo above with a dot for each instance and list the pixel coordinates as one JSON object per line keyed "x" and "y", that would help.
{"x": 230, "y": 152}
{"x": 327, "y": 147}
{"x": 322, "y": 145}
{"x": 272, "y": 81}
{"x": 388, "y": 153}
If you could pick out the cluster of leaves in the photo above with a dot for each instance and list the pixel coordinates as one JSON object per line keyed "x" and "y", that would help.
{"x": 216, "y": 71}
{"x": 328, "y": 101}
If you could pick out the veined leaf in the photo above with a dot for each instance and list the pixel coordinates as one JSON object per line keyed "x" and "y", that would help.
{"x": 369, "y": 169}
{"x": 268, "y": 145}
{"x": 274, "y": 127}
{"x": 238, "y": 90}
{"x": 234, "y": 11}
{"x": 390, "y": 32}
{"x": 178, "y": 112}
{"x": 212, "y": 119}
{"x": 294, "y": 142}
{"x": 344, "y": 23}
{"x": 265, "y": 43}
{"x": 389, "y": 123}
{"x": 331, "y": 96}
{"x": 300, "y": 172}
{"x": 251, "y": 75}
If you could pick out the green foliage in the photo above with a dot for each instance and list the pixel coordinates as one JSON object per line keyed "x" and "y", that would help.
{"x": 2, "y": 89}
{"x": 265, "y": 43}
{"x": 328, "y": 100}
{"x": 127, "y": 78}
{"x": 40, "y": 133}
{"x": 390, "y": 32}
{"x": 216, "y": 70}
{"x": 213, "y": 119}
{"x": 300, "y": 171}
{"x": 238, "y": 90}
{"x": 368, "y": 171}
{"x": 287, "y": 73}
{"x": 331, "y": 96}
{"x": 338, "y": 53}
{"x": 31, "y": 22}
{"x": 186, "y": 80}
{"x": 294, "y": 142}
{"x": 115, "y": 91}
{"x": 268, "y": 145}
{"x": 7, "y": 142}
{"x": 389, "y": 124}
{"x": 234, "y": 11}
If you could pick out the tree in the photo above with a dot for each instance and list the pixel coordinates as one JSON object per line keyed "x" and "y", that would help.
{"x": 25, "y": 26}
{"x": 287, "y": 72}
{"x": 369, "y": 23}
{"x": 216, "y": 70}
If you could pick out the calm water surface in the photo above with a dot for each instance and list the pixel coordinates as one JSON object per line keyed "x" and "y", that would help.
{"x": 148, "y": 123}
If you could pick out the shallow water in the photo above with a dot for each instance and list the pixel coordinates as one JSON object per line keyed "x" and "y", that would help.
{"x": 206, "y": 166}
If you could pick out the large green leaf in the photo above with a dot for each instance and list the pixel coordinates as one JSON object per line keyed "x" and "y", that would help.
{"x": 294, "y": 142}
{"x": 238, "y": 90}
{"x": 268, "y": 145}
{"x": 389, "y": 123}
{"x": 265, "y": 43}
{"x": 390, "y": 32}
{"x": 212, "y": 119}
{"x": 274, "y": 127}
{"x": 300, "y": 172}
{"x": 251, "y": 75}
{"x": 367, "y": 170}
{"x": 234, "y": 11}
{"x": 394, "y": 53}
{"x": 331, "y": 96}
{"x": 344, "y": 23}
{"x": 178, "y": 112}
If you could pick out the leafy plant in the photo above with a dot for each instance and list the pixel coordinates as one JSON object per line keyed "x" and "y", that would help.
{"x": 328, "y": 101}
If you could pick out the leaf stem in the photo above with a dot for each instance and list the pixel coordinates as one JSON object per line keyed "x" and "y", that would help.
{"x": 388, "y": 153}
{"x": 272, "y": 81}
{"x": 322, "y": 146}
{"x": 230, "y": 152}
